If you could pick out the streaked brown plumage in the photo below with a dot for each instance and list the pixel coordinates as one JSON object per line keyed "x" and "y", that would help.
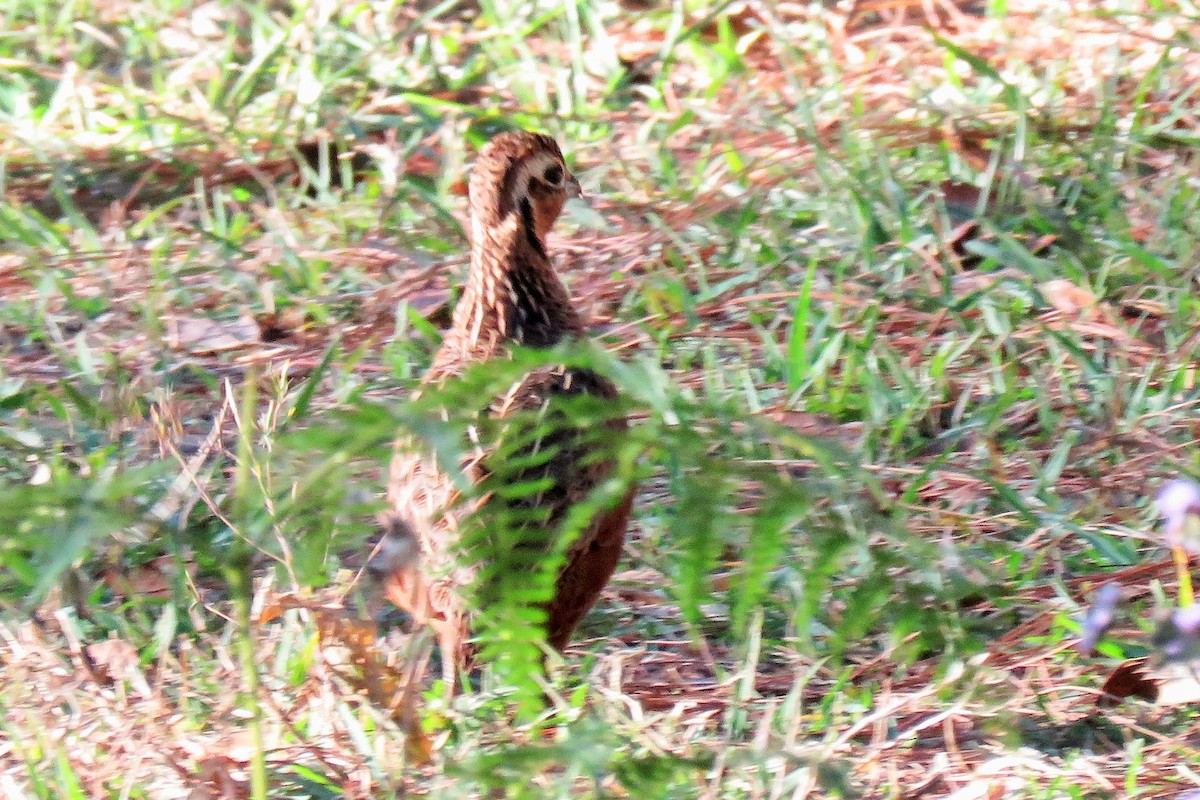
{"x": 512, "y": 296}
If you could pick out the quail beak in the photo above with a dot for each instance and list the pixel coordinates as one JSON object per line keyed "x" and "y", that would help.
{"x": 573, "y": 188}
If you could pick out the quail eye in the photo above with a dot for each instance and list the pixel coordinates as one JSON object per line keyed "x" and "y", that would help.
{"x": 553, "y": 176}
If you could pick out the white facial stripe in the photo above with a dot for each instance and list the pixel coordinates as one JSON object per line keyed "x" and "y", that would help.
{"x": 535, "y": 165}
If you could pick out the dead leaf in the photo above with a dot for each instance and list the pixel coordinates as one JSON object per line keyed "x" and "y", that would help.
{"x": 215, "y": 780}
{"x": 152, "y": 579}
{"x": 202, "y": 335}
{"x": 808, "y": 423}
{"x": 269, "y": 613}
{"x": 112, "y": 658}
{"x": 741, "y": 18}
{"x": 116, "y": 661}
{"x": 964, "y": 200}
{"x": 1070, "y": 299}
{"x": 1128, "y": 680}
{"x": 278, "y": 325}
{"x": 384, "y": 685}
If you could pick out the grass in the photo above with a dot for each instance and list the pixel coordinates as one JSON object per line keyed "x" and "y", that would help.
{"x": 903, "y": 301}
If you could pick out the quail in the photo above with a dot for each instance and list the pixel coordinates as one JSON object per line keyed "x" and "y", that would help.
{"x": 512, "y": 296}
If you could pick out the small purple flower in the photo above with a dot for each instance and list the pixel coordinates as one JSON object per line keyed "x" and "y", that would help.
{"x": 1178, "y": 635}
{"x": 1188, "y": 620}
{"x": 1099, "y": 617}
{"x": 1179, "y": 505}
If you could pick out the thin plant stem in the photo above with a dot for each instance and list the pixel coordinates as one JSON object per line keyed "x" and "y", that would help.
{"x": 1182, "y": 567}
{"x": 239, "y": 572}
